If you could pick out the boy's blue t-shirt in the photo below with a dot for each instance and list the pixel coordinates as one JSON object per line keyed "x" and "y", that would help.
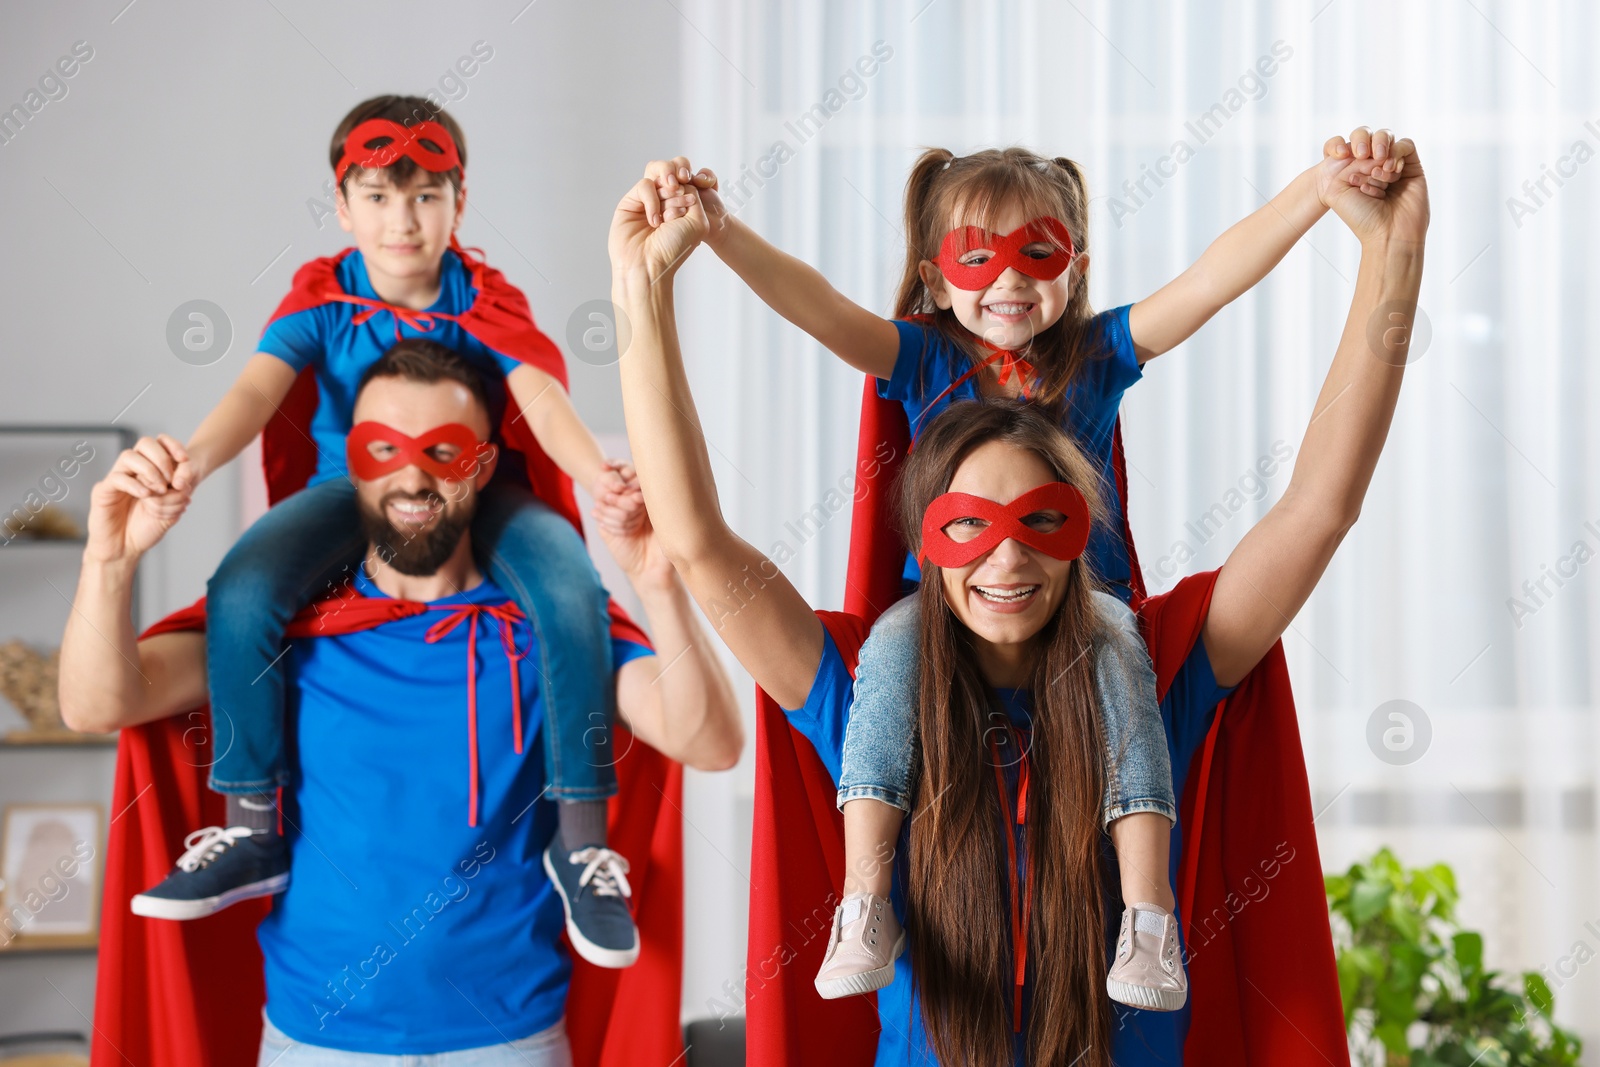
{"x": 327, "y": 339}
{"x": 404, "y": 931}
{"x": 1140, "y": 1038}
{"x": 928, "y": 362}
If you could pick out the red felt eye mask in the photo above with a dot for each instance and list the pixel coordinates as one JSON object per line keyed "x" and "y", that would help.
{"x": 411, "y": 141}
{"x": 1005, "y": 521}
{"x": 413, "y": 451}
{"x": 1006, "y": 252}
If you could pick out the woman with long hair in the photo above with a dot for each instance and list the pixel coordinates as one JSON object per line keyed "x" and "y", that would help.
{"x": 997, "y": 502}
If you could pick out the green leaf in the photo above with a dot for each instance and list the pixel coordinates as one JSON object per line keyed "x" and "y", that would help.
{"x": 1367, "y": 900}
{"x": 1537, "y": 990}
{"x": 1468, "y": 951}
{"x": 1393, "y": 1036}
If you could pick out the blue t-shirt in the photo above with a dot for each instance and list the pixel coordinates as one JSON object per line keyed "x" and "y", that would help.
{"x": 928, "y": 362}
{"x": 1140, "y": 1038}
{"x": 404, "y": 931}
{"x": 326, "y": 338}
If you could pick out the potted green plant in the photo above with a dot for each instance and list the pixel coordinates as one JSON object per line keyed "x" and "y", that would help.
{"x": 1416, "y": 991}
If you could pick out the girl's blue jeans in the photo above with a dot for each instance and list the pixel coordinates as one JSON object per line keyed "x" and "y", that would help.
{"x": 880, "y": 737}
{"x": 309, "y": 543}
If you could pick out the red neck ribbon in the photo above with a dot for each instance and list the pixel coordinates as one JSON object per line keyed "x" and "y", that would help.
{"x": 473, "y": 456}
{"x": 1021, "y": 910}
{"x": 1067, "y": 542}
{"x": 427, "y": 144}
{"x": 1005, "y": 251}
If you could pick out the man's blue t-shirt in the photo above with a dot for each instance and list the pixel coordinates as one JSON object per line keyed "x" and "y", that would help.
{"x": 404, "y": 931}
{"x": 1140, "y": 1038}
{"x": 326, "y": 338}
{"x": 928, "y": 362}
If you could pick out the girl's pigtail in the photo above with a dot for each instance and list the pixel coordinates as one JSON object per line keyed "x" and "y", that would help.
{"x": 911, "y": 299}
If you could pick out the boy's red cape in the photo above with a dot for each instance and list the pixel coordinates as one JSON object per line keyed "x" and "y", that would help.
{"x": 189, "y": 994}
{"x": 1263, "y": 987}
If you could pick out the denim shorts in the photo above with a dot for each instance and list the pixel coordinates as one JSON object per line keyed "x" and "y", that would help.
{"x": 547, "y": 1048}
{"x": 880, "y": 736}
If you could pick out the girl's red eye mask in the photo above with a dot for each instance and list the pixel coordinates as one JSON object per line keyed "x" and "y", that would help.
{"x": 474, "y": 456}
{"x": 428, "y": 145}
{"x": 1005, "y": 521}
{"x": 1006, "y": 251}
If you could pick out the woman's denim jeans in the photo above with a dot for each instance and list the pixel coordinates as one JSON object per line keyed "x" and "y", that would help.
{"x": 880, "y": 738}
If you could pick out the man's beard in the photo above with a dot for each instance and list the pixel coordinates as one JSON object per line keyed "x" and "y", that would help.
{"x": 416, "y": 554}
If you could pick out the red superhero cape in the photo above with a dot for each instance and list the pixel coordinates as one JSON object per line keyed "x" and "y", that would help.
{"x": 1262, "y": 980}
{"x": 189, "y": 994}
{"x": 499, "y": 318}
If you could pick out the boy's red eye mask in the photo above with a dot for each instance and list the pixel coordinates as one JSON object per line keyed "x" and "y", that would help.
{"x": 1005, "y": 521}
{"x": 1006, "y": 252}
{"x": 413, "y": 451}
{"x": 428, "y": 145}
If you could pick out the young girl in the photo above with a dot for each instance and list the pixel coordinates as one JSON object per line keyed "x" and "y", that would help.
{"x": 399, "y": 164}
{"x": 993, "y": 301}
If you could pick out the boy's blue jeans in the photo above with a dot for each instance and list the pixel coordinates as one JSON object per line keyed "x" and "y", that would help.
{"x": 308, "y": 544}
{"x": 880, "y": 737}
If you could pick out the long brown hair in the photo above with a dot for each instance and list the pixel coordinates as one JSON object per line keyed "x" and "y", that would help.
{"x": 958, "y": 900}
{"x": 978, "y": 187}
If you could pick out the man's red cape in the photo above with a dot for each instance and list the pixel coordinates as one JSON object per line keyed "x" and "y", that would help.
{"x": 189, "y": 994}
{"x": 1263, "y": 985}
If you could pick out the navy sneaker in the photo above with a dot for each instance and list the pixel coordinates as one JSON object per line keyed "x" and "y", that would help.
{"x": 593, "y": 883}
{"x": 219, "y": 867}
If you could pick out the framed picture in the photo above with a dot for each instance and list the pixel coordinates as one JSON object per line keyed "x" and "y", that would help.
{"x": 50, "y": 864}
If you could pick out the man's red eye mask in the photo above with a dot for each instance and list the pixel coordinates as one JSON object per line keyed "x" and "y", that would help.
{"x": 1006, "y": 252}
{"x": 411, "y": 141}
{"x": 413, "y": 451}
{"x": 1005, "y": 521}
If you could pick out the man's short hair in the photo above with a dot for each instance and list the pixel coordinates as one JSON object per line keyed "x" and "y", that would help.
{"x": 417, "y": 359}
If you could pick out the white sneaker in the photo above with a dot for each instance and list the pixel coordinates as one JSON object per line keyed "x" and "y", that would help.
{"x": 1148, "y": 971}
{"x": 865, "y": 942}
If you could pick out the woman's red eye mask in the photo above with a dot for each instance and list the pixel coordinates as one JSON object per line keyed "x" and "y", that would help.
{"x": 1006, "y": 251}
{"x": 428, "y": 144}
{"x": 474, "y": 455}
{"x": 1005, "y": 521}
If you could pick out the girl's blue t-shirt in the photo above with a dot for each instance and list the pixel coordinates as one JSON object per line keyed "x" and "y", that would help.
{"x": 327, "y": 339}
{"x": 928, "y": 362}
{"x": 405, "y": 931}
{"x": 1140, "y": 1038}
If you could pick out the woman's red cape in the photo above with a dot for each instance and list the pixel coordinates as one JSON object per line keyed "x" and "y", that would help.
{"x": 189, "y": 994}
{"x": 1263, "y": 987}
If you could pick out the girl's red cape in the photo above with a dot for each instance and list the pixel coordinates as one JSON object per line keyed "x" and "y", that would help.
{"x": 189, "y": 994}
{"x": 1263, "y": 985}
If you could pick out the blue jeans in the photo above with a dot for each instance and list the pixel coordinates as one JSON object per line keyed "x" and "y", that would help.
{"x": 880, "y": 737}
{"x": 307, "y": 545}
{"x": 547, "y": 1048}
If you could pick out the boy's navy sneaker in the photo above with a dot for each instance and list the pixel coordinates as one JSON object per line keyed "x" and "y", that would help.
{"x": 220, "y": 866}
{"x": 593, "y": 884}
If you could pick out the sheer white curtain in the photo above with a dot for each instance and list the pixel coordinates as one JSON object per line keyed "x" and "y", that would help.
{"x": 1488, "y": 480}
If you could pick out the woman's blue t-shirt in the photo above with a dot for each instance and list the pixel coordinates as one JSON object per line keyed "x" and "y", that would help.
{"x": 928, "y": 362}
{"x": 1140, "y": 1038}
{"x": 327, "y": 339}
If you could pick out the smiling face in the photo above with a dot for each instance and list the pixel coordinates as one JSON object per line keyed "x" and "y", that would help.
{"x": 1005, "y": 596}
{"x": 402, "y": 231}
{"x": 1015, "y": 307}
{"x": 413, "y": 519}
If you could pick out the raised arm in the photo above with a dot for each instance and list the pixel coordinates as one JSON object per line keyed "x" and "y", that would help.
{"x": 243, "y": 411}
{"x": 1276, "y": 565}
{"x": 109, "y": 679}
{"x": 678, "y": 701}
{"x": 760, "y": 616}
{"x": 791, "y": 287}
{"x": 1237, "y": 261}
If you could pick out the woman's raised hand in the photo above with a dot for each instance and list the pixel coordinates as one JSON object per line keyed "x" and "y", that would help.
{"x": 650, "y": 237}
{"x": 1376, "y": 184}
